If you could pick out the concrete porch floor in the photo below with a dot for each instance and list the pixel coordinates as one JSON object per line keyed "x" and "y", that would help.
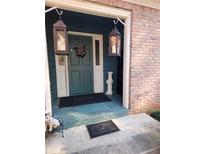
{"x": 139, "y": 134}
{"x": 91, "y": 113}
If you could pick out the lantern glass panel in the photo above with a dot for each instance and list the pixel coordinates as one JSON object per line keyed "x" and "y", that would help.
{"x": 118, "y": 45}
{"x": 61, "y": 44}
{"x": 113, "y": 44}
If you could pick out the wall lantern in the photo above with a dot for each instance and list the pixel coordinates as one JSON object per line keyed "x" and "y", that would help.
{"x": 114, "y": 41}
{"x": 60, "y": 37}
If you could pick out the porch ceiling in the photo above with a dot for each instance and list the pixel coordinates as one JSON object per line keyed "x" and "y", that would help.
{"x": 96, "y": 24}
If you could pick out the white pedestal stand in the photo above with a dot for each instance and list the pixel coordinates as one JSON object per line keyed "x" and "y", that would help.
{"x": 109, "y": 83}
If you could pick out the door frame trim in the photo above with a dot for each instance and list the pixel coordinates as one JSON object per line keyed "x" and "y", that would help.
{"x": 98, "y": 85}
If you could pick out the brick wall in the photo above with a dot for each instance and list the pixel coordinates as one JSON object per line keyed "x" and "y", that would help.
{"x": 145, "y": 56}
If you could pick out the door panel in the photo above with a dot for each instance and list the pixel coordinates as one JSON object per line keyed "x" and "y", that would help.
{"x": 74, "y": 60}
{"x": 75, "y": 78}
{"x": 86, "y": 78}
{"x": 80, "y": 68}
{"x": 88, "y": 58}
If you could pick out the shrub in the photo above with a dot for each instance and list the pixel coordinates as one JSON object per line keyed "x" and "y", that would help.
{"x": 155, "y": 115}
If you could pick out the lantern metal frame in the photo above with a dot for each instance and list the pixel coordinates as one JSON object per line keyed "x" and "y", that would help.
{"x": 59, "y": 26}
{"x": 115, "y": 33}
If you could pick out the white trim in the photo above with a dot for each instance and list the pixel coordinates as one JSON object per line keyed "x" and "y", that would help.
{"x": 84, "y": 34}
{"x": 47, "y": 84}
{"x": 89, "y": 8}
{"x": 104, "y": 11}
{"x": 62, "y": 74}
{"x": 98, "y": 69}
{"x": 126, "y": 62}
{"x": 62, "y": 77}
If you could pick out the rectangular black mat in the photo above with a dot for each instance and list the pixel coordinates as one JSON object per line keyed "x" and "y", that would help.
{"x": 83, "y": 99}
{"x": 102, "y": 128}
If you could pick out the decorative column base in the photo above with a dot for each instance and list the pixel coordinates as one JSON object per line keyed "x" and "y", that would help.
{"x": 109, "y": 82}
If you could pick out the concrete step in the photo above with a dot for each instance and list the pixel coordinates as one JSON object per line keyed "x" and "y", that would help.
{"x": 90, "y": 113}
{"x": 93, "y": 119}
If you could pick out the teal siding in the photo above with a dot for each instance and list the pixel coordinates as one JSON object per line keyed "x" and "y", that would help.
{"x": 85, "y": 23}
{"x": 110, "y": 64}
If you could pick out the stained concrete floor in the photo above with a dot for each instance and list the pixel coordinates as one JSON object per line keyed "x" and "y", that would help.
{"x": 91, "y": 113}
{"x": 139, "y": 134}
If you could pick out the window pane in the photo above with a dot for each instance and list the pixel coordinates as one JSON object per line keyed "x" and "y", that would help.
{"x": 113, "y": 44}
{"x": 97, "y": 52}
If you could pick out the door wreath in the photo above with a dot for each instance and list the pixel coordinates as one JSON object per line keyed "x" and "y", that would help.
{"x": 80, "y": 51}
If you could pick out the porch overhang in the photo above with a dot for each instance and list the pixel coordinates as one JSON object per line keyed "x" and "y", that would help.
{"x": 89, "y": 8}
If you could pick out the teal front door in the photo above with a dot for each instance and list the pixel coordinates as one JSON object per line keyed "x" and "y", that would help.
{"x": 80, "y": 69}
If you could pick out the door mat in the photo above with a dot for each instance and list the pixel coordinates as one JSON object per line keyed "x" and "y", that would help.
{"x": 83, "y": 99}
{"x": 102, "y": 128}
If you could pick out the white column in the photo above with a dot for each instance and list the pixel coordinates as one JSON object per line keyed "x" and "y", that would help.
{"x": 47, "y": 84}
{"x": 126, "y": 62}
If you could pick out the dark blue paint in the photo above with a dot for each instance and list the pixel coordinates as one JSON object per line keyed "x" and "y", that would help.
{"x": 82, "y": 23}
